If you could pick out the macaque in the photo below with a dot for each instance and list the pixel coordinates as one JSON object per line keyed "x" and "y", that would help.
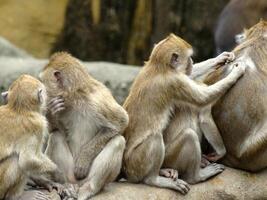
{"x": 86, "y": 124}
{"x": 156, "y": 141}
{"x": 22, "y": 131}
{"x": 240, "y": 114}
{"x": 206, "y": 123}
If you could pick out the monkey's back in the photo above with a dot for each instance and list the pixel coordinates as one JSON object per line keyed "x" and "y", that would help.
{"x": 16, "y": 128}
{"x": 148, "y": 106}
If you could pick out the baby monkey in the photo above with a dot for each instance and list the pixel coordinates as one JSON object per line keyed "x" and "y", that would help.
{"x": 22, "y": 130}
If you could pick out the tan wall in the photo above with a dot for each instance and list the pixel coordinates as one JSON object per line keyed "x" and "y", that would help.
{"x": 32, "y": 24}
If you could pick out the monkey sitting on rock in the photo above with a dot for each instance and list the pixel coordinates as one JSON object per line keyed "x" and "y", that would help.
{"x": 162, "y": 132}
{"x": 22, "y": 131}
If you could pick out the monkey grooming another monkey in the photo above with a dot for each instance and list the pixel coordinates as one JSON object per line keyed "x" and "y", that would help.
{"x": 87, "y": 144}
{"x": 158, "y": 95}
{"x": 22, "y": 130}
{"x": 206, "y": 123}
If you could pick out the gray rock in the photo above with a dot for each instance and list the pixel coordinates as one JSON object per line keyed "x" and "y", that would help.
{"x": 8, "y": 49}
{"x": 230, "y": 185}
{"x": 116, "y": 77}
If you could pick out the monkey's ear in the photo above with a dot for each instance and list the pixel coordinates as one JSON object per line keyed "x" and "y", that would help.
{"x": 57, "y": 75}
{"x": 174, "y": 60}
{"x": 4, "y": 96}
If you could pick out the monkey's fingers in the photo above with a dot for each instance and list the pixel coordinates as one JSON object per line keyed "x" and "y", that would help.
{"x": 182, "y": 186}
{"x": 57, "y": 108}
{"x": 55, "y": 101}
{"x": 169, "y": 173}
{"x": 42, "y": 196}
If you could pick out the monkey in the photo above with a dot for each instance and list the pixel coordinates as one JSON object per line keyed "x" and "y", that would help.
{"x": 22, "y": 130}
{"x": 240, "y": 114}
{"x": 206, "y": 123}
{"x": 159, "y": 91}
{"x": 86, "y": 144}
{"x": 236, "y": 16}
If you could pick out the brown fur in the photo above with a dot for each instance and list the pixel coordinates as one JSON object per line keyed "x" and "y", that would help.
{"x": 91, "y": 123}
{"x": 240, "y": 115}
{"x": 161, "y": 88}
{"x": 22, "y": 130}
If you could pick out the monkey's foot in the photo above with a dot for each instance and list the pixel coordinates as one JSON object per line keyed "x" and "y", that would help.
{"x": 169, "y": 173}
{"x": 210, "y": 171}
{"x": 85, "y": 192}
{"x": 204, "y": 161}
{"x": 212, "y": 157}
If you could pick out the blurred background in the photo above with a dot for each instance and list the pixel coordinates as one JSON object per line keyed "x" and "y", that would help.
{"x": 124, "y": 31}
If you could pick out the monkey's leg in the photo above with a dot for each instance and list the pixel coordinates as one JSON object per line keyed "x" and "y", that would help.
{"x": 184, "y": 154}
{"x": 105, "y": 168}
{"x": 90, "y": 150}
{"x": 16, "y": 190}
{"x": 144, "y": 163}
{"x": 212, "y": 134}
{"x": 58, "y": 151}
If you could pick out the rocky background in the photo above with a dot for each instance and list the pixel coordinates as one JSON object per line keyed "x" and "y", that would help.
{"x": 122, "y": 31}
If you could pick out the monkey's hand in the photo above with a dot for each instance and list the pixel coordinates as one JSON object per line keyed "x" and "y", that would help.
{"x": 224, "y": 57}
{"x": 70, "y": 192}
{"x": 169, "y": 173}
{"x": 55, "y": 105}
{"x": 82, "y": 167}
{"x": 239, "y": 68}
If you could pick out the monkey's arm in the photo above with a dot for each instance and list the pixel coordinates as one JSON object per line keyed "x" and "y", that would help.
{"x": 203, "y": 68}
{"x": 90, "y": 150}
{"x": 32, "y": 159}
{"x": 212, "y": 134}
{"x": 189, "y": 91}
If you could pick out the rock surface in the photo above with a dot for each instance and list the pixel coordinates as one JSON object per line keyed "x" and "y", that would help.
{"x": 8, "y": 49}
{"x": 116, "y": 77}
{"x": 230, "y": 185}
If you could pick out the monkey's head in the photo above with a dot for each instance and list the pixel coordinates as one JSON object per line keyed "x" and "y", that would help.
{"x": 63, "y": 75}
{"x": 255, "y": 31}
{"x": 26, "y": 93}
{"x": 172, "y": 53}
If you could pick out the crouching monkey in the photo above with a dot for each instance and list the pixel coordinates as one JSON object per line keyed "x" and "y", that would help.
{"x": 22, "y": 131}
{"x": 87, "y": 145}
{"x": 158, "y": 92}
